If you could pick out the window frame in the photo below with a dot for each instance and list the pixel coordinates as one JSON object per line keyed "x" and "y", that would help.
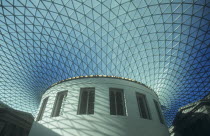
{"x": 56, "y": 108}
{"x": 42, "y": 109}
{"x": 123, "y": 101}
{"x": 145, "y": 103}
{"x": 82, "y": 90}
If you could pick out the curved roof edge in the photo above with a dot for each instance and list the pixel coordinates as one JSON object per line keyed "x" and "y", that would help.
{"x": 101, "y": 76}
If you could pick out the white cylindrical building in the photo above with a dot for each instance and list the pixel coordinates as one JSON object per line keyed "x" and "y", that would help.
{"x": 99, "y": 106}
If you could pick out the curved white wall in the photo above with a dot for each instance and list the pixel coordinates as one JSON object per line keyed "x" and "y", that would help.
{"x": 101, "y": 123}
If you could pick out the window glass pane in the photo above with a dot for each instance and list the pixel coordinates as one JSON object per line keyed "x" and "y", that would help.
{"x": 63, "y": 98}
{"x": 142, "y": 104}
{"x": 159, "y": 112}
{"x": 117, "y": 103}
{"x": 91, "y": 102}
{"x": 42, "y": 109}
{"x": 83, "y": 104}
{"x": 138, "y": 100}
{"x": 143, "y": 108}
{"x": 87, "y": 99}
{"x": 112, "y": 103}
{"x": 59, "y": 103}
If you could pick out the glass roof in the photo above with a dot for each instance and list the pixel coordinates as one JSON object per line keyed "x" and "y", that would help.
{"x": 161, "y": 43}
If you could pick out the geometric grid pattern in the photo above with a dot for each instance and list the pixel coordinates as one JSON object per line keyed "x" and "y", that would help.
{"x": 163, "y": 44}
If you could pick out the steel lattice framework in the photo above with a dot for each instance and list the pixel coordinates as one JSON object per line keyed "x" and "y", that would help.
{"x": 161, "y": 43}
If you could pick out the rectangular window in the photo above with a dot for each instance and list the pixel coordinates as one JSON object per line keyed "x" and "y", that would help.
{"x": 86, "y": 102}
{"x": 159, "y": 112}
{"x": 143, "y": 107}
{"x": 59, "y": 103}
{"x": 117, "y": 102}
{"x": 42, "y": 109}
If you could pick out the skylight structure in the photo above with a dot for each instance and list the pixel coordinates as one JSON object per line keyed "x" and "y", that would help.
{"x": 163, "y": 44}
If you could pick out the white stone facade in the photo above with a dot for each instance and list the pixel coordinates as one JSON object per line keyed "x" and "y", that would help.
{"x": 101, "y": 123}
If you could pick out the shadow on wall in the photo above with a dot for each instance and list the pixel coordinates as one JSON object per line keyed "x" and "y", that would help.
{"x": 41, "y": 129}
{"x": 68, "y": 123}
{"x": 101, "y": 123}
{"x": 82, "y": 126}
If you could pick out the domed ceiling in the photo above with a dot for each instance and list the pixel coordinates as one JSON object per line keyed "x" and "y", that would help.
{"x": 163, "y": 44}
